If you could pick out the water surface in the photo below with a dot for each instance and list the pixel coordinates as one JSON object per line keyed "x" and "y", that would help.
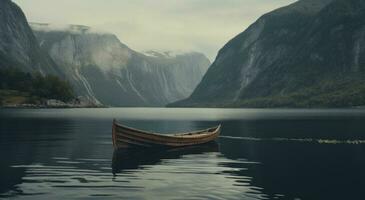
{"x": 262, "y": 154}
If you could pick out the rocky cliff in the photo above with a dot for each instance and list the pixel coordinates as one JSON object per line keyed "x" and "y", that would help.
{"x": 18, "y": 46}
{"x": 105, "y": 70}
{"x": 308, "y": 54}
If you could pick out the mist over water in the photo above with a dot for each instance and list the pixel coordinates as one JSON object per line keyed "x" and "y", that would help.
{"x": 262, "y": 154}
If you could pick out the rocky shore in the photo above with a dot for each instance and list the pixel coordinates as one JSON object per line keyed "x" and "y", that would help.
{"x": 79, "y": 102}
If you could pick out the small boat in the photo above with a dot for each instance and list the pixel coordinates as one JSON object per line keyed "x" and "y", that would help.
{"x": 127, "y": 137}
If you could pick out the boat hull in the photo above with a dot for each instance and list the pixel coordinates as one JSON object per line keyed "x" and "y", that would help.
{"x": 126, "y": 137}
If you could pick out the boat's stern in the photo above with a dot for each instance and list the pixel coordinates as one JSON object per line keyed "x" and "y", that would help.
{"x": 114, "y": 137}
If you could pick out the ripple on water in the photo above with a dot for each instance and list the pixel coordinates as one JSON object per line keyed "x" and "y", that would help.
{"x": 189, "y": 176}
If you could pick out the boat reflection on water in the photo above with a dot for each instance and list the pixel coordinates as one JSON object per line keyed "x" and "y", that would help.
{"x": 136, "y": 158}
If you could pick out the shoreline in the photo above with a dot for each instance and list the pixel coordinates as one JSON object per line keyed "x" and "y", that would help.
{"x": 102, "y": 106}
{"x": 48, "y": 107}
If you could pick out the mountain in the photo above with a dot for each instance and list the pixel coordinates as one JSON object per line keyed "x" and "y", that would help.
{"x": 308, "y": 54}
{"x": 107, "y": 71}
{"x": 18, "y": 45}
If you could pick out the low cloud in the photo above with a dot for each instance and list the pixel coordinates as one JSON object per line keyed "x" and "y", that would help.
{"x": 189, "y": 25}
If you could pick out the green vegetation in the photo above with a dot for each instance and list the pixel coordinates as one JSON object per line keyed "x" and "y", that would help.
{"x": 17, "y": 87}
{"x": 330, "y": 93}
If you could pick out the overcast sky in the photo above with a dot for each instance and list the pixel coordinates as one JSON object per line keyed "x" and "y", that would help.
{"x": 186, "y": 25}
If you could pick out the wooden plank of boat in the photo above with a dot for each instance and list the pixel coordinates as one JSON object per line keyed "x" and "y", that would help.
{"x": 126, "y": 137}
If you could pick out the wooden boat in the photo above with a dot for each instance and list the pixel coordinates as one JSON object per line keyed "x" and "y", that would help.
{"x": 127, "y": 137}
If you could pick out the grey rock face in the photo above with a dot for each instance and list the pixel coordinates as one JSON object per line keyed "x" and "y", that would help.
{"x": 18, "y": 46}
{"x": 105, "y": 70}
{"x": 310, "y": 53}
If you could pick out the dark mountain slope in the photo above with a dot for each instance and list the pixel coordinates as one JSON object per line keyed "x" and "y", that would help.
{"x": 18, "y": 46}
{"x": 308, "y": 54}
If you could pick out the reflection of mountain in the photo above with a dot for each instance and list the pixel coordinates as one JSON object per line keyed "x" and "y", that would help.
{"x": 124, "y": 159}
{"x": 10, "y": 177}
{"x": 21, "y": 141}
{"x": 289, "y": 170}
{"x": 296, "y": 128}
{"x": 59, "y": 155}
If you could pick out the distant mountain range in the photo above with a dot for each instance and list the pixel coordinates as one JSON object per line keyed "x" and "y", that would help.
{"x": 97, "y": 64}
{"x": 102, "y": 68}
{"x": 308, "y": 54}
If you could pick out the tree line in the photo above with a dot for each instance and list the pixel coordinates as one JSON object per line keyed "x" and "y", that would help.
{"x": 35, "y": 85}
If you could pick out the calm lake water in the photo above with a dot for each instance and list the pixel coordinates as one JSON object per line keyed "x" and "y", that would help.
{"x": 262, "y": 154}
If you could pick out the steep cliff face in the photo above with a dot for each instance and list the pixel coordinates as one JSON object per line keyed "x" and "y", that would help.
{"x": 308, "y": 54}
{"x": 18, "y": 46}
{"x": 107, "y": 71}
